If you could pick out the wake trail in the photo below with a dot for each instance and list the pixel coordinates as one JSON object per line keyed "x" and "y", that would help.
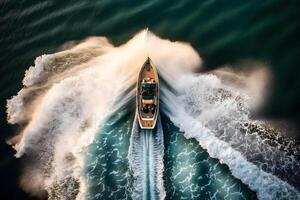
{"x": 267, "y": 185}
{"x": 145, "y": 157}
{"x": 67, "y": 96}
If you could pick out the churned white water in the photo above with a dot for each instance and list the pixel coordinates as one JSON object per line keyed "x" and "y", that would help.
{"x": 68, "y": 95}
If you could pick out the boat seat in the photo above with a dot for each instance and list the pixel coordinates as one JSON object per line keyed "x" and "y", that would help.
{"x": 148, "y": 101}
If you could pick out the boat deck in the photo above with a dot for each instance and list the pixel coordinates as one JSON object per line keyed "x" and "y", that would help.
{"x": 147, "y": 95}
{"x": 149, "y": 75}
{"x": 148, "y": 72}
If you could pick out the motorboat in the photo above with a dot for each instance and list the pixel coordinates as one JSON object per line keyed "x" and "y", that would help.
{"x": 147, "y": 96}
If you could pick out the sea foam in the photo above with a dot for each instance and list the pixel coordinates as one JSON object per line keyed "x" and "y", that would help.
{"x": 67, "y": 95}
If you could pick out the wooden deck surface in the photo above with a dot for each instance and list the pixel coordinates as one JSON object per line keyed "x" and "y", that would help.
{"x": 149, "y": 75}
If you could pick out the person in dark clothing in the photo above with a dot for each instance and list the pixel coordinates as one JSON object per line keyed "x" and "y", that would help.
{"x": 146, "y": 109}
{"x": 152, "y": 108}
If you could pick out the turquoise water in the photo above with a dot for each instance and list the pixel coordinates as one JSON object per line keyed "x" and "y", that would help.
{"x": 189, "y": 171}
{"x": 222, "y": 32}
{"x": 107, "y": 164}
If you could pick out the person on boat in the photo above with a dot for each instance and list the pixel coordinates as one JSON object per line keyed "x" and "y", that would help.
{"x": 145, "y": 109}
{"x": 149, "y": 108}
{"x": 152, "y": 108}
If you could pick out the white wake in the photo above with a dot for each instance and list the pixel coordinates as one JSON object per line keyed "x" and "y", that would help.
{"x": 204, "y": 100}
{"x": 67, "y": 95}
{"x": 145, "y": 157}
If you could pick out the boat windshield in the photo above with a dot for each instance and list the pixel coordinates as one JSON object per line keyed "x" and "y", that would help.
{"x": 148, "y": 90}
{"x": 149, "y": 86}
{"x": 147, "y": 96}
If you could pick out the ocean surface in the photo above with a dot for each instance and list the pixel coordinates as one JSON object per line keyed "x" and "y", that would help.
{"x": 68, "y": 125}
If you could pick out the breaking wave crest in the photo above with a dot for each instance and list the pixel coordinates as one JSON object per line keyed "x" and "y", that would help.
{"x": 68, "y": 97}
{"x": 217, "y": 116}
